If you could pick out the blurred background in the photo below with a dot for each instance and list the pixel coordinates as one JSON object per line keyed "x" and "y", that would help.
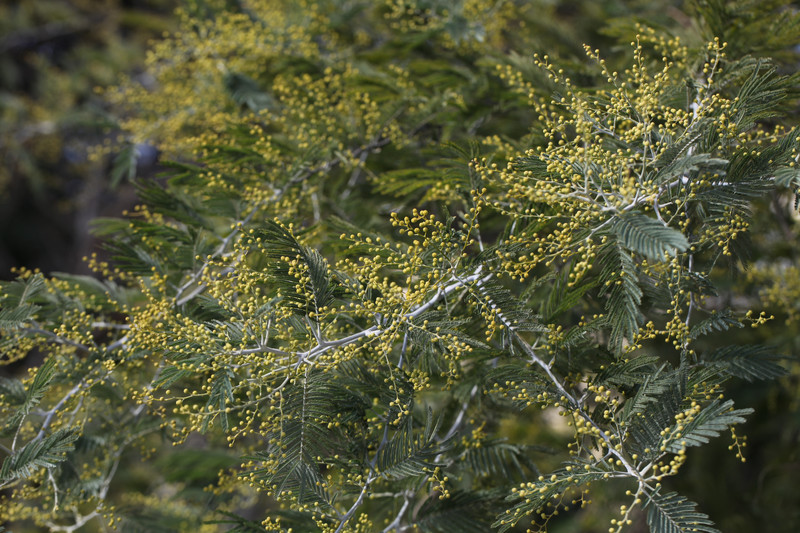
{"x": 53, "y": 54}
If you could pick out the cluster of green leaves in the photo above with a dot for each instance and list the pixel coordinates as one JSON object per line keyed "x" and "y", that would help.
{"x": 401, "y": 277}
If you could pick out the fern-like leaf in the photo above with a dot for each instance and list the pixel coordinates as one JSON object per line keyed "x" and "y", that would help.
{"x": 709, "y": 423}
{"x": 220, "y": 396}
{"x": 19, "y": 292}
{"x": 406, "y": 455}
{"x": 646, "y": 428}
{"x": 509, "y": 310}
{"x": 684, "y": 165}
{"x": 673, "y": 513}
{"x": 620, "y": 281}
{"x": 31, "y": 396}
{"x": 564, "y": 296}
{"x": 717, "y": 321}
{"x": 282, "y": 244}
{"x": 629, "y": 372}
{"x": 307, "y": 430}
{"x": 12, "y": 391}
{"x": 461, "y": 512}
{"x": 647, "y": 392}
{"x": 16, "y": 317}
{"x": 501, "y": 459}
{"x": 39, "y": 453}
{"x": 539, "y": 493}
{"x": 746, "y": 362}
{"x": 648, "y": 237}
{"x": 758, "y": 94}
{"x": 788, "y": 177}
{"x": 125, "y": 164}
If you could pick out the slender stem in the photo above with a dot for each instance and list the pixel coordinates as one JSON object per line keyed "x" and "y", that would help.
{"x": 371, "y": 476}
{"x": 395, "y": 524}
{"x": 52, "y": 412}
{"x": 350, "y": 512}
{"x": 58, "y": 339}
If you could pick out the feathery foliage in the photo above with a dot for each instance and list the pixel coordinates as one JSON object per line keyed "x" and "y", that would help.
{"x": 402, "y": 278}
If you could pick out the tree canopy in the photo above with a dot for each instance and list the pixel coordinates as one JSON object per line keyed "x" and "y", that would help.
{"x": 420, "y": 266}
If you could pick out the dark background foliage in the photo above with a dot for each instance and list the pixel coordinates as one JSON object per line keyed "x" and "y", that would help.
{"x": 53, "y": 54}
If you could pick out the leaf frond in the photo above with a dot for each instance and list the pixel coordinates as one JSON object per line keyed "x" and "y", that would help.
{"x": 673, "y": 513}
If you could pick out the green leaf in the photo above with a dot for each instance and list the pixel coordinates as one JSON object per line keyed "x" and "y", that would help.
{"x": 659, "y": 414}
{"x": 246, "y": 92}
{"x": 32, "y": 395}
{"x": 407, "y": 181}
{"x": 238, "y": 524}
{"x": 13, "y": 391}
{"x": 647, "y": 392}
{"x": 709, "y": 423}
{"x": 564, "y": 296}
{"x": 629, "y": 372}
{"x": 290, "y": 521}
{"x": 746, "y": 362}
{"x": 788, "y": 177}
{"x": 536, "y": 495}
{"x": 508, "y": 307}
{"x": 282, "y": 244}
{"x": 295, "y": 473}
{"x": 170, "y": 375}
{"x": 124, "y": 165}
{"x": 501, "y": 459}
{"x": 648, "y": 237}
{"x": 17, "y": 293}
{"x": 620, "y": 280}
{"x": 219, "y": 398}
{"x": 305, "y": 431}
{"x": 166, "y": 518}
{"x": 407, "y": 455}
{"x": 174, "y": 203}
{"x": 196, "y": 466}
{"x": 17, "y": 317}
{"x": 758, "y": 95}
{"x": 461, "y": 512}
{"x": 39, "y": 453}
{"x": 718, "y": 320}
{"x": 673, "y": 513}
{"x": 684, "y": 165}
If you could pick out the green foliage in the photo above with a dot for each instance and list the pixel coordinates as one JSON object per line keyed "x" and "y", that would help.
{"x": 23, "y": 400}
{"x": 401, "y": 278}
{"x": 46, "y": 452}
{"x": 622, "y": 306}
{"x": 746, "y": 362}
{"x": 648, "y": 237}
{"x": 672, "y": 513}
